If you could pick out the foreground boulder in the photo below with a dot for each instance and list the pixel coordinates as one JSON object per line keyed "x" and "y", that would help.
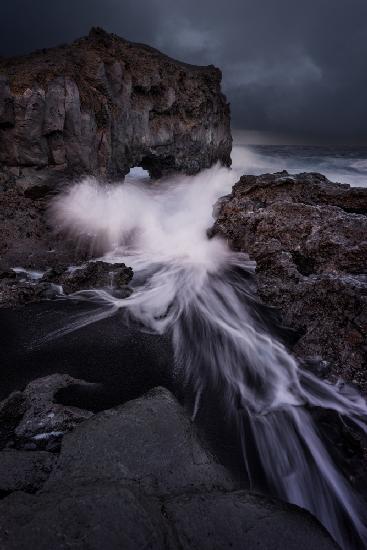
{"x": 309, "y": 239}
{"x": 138, "y": 476}
{"x": 102, "y": 105}
{"x": 24, "y": 470}
{"x": 21, "y": 291}
{"x": 31, "y": 419}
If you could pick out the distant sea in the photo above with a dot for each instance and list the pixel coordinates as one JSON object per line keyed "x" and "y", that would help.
{"x": 343, "y": 165}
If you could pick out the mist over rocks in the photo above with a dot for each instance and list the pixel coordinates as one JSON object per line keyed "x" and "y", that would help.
{"x": 139, "y": 476}
{"x": 308, "y": 237}
{"x": 103, "y": 105}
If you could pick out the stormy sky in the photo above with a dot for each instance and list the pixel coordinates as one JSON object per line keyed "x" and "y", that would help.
{"x": 293, "y": 70}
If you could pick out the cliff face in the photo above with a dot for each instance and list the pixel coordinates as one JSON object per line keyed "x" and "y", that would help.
{"x": 103, "y": 105}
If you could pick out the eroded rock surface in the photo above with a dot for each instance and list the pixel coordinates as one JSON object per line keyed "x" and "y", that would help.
{"x": 103, "y": 105}
{"x": 138, "y": 476}
{"x": 92, "y": 275}
{"x": 309, "y": 239}
{"x": 26, "y": 237}
{"x": 24, "y": 470}
{"x": 32, "y": 420}
{"x": 18, "y": 287}
{"x": 98, "y": 106}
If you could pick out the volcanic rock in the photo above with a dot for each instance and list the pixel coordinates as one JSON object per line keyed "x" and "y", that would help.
{"x": 14, "y": 293}
{"x": 138, "y": 476}
{"x": 103, "y": 105}
{"x": 308, "y": 237}
{"x": 98, "y": 106}
{"x": 24, "y": 470}
{"x": 33, "y": 420}
{"x": 93, "y": 275}
{"x": 26, "y": 238}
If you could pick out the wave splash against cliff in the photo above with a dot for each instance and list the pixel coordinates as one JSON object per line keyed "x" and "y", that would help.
{"x": 203, "y": 294}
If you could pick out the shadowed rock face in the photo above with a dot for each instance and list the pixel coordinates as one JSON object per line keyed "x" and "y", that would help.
{"x": 309, "y": 239}
{"x": 103, "y": 105}
{"x": 27, "y": 238}
{"x": 31, "y": 420}
{"x": 139, "y": 476}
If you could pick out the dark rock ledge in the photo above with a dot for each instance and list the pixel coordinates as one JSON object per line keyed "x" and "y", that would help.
{"x": 20, "y": 288}
{"x": 308, "y": 237}
{"x": 96, "y": 274}
{"x": 136, "y": 476}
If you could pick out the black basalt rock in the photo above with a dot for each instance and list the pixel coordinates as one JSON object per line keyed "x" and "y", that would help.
{"x": 308, "y": 237}
{"x": 139, "y": 476}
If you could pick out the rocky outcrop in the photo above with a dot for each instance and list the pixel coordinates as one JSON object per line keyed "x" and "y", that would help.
{"x": 138, "y": 476}
{"x": 24, "y": 471}
{"x": 103, "y": 105}
{"x": 19, "y": 287}
{"x": 26, "y": 237}
{"x": 309, "y": 239}
{"x": 92, "y": 275}
{"x": 32, "y": 420}
{"x": 98, "y": 106}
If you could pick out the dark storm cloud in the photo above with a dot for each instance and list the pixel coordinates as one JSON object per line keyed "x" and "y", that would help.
{"x": 292, "y": 67}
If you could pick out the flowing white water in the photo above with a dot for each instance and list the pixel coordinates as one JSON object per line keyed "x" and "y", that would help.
{"x": 196, "y": 289}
